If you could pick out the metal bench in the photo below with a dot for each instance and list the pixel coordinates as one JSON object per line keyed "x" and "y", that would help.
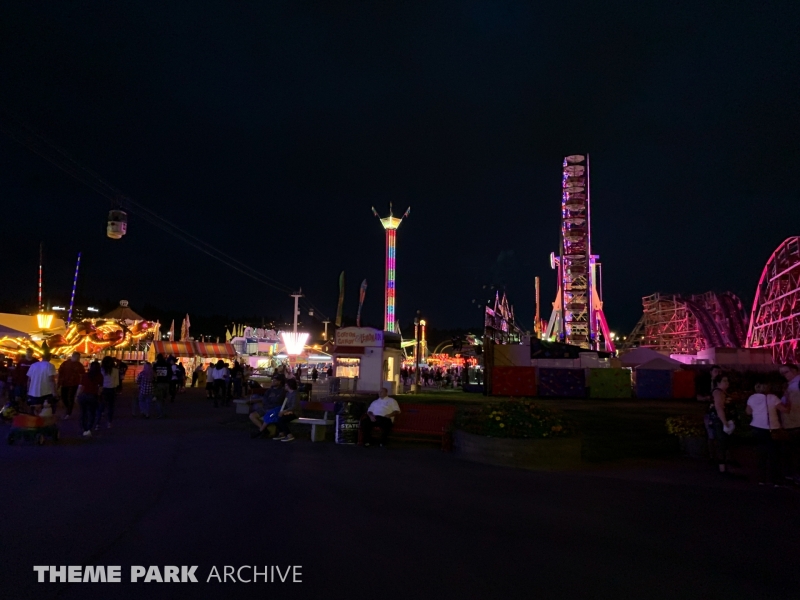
{"x": 317, "y": 425}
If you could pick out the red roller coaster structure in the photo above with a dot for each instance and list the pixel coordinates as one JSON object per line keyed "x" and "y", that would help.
{"x": 775, "y": 319}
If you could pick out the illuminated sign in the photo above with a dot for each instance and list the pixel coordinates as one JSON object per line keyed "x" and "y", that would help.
{"x": 359, "y": 336}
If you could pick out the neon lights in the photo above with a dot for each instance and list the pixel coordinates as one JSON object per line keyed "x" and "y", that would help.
{"x": 44, "y": 320}
{"x": 390, "y": 224}
{"x": 74, "y": 285}
{"x": 294, "y": 342}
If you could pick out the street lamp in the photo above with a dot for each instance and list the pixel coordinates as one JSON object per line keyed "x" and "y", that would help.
{"x": 416, "y": 352}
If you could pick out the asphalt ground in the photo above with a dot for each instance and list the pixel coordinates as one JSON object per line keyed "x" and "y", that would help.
{"x": 407, "y": 521}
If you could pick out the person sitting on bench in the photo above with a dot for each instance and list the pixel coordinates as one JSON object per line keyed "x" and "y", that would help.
{"x": 290, "y": 412}
{"x": 381, "y": 413}
{"x": 272, "y": 399}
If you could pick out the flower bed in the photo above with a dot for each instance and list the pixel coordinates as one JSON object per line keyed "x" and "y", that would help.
{"x": 517, "y": 434}
{"x": 515, "y": 419}
{"x": 691, "y": 434}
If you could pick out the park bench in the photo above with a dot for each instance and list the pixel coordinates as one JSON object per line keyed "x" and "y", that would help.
{"x": 317, "y": 425}
{"x": 422, "y": 422}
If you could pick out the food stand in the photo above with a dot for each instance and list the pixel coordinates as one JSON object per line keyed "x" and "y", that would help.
{"x": 367, "y": 359}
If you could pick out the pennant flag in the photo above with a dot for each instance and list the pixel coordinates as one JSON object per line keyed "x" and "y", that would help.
{"x": 227, "y": 335}
{"x": 361, "y": 294}
{"x": 341, "y": 301}
{"x": 172, "y": 331}
{"x": 185, "y": 328}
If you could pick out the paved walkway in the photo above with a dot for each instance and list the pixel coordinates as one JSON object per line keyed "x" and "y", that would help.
{"x": 403, "y": 522}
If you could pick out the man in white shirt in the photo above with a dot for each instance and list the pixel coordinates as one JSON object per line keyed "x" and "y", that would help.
{"x": 790, "y": 420}
{"x": 381, "y": 413}
{"x": 41, "y": 383}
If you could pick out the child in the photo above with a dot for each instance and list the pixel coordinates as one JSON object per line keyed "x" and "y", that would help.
{"x": 47, "y": 409}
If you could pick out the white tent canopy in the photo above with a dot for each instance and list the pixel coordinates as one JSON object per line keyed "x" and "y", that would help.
{"x": 662, "y": 363}
{"x": 637, "y": 356}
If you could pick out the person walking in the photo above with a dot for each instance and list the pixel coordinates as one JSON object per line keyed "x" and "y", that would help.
{"x": 764, "y": 409}
{"x": 70, "y": 373}
{"x": 174, "y": 378}
{"x": 87, "y": 395}
{"x": 790, "y": 420}
{"x": 210, "y": 382}
{"x": 108, "y": 394}
{"x": 221, "y": 377}
{"x": 181, "y": 377}
{"x": 718, "y": 418}
{"x": 122, "y": 367}
{"x": 314, "y": 375}
{"x": 146, "y": 380}
{"x": 163, "y": 374}
{"x": 237, "y": 375}
{"x": 41, "y": 384}
{"x": 19, "y": 376}
{"x": 196, "y": 374}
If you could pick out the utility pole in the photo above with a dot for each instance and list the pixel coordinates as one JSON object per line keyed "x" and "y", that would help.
{"x": 297, "y": 297}
{"x": 325, "y": 333}
{"x": 537, "y": 321}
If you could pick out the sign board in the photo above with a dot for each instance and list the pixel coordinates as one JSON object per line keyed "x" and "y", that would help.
{"x": 359, "y": 336}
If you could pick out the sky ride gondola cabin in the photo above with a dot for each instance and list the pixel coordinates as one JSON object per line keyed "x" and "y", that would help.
{"x": 117, "y": 224}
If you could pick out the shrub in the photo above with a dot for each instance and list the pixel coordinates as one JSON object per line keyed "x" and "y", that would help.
{"x": 515, "y": 419}
{"x": 686, "y": 426}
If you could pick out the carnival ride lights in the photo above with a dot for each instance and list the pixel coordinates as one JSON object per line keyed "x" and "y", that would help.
{"x": 578, "y": 317}
{"x": 390, "y": 224}
{"x": 294, "y": 342}
{"x": 87, "y": 337}
{"x": 775, "y": 317}
{"x": 44, "y": 320}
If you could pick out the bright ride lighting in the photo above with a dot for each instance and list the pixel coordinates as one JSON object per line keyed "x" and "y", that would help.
{"x": 294, "y": 342}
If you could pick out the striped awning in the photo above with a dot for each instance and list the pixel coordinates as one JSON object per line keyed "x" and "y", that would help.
{"x": 180, "y": 349}
{"x": 213, "y": 350}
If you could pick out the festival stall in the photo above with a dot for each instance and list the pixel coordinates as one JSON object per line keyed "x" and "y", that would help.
{"x": 367, "y": 359}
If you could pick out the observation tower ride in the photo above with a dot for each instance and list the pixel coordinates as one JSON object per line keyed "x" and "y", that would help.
{"x": 390, "y": 224}
{"x": 577, "y": 317}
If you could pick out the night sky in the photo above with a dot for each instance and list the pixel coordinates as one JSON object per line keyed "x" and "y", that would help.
{"x": 270, "y": 128}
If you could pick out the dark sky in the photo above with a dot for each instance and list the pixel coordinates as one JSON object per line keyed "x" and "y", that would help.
{"x": 270, "y": 128}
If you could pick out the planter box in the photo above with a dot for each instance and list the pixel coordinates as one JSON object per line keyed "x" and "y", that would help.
{"x": 542, "y": 454}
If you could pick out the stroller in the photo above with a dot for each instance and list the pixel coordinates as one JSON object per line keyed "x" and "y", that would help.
{"x": 34, "y": 429}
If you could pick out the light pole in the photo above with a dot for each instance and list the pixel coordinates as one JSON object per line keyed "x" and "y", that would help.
{"x": 416, "y": 353}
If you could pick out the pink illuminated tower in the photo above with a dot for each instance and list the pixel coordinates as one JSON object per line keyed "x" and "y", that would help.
{"x": 390, "y": 224}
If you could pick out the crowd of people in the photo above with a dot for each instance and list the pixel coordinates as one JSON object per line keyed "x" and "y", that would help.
{"x": 774, "y": 424}
{"x": 439, "y": 377}
{"x": 33, "y": 386}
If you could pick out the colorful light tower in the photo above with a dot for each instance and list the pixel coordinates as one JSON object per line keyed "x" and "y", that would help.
{"x": 390, "y": 224}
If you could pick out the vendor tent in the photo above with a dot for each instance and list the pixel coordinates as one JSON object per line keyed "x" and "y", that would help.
{"x": 638, "y": 356}
{"x": 178, "y": 349}
{"x": 12, "y": 333}
{"x": 662, "y": 363}
{"x": 215, "y": 350}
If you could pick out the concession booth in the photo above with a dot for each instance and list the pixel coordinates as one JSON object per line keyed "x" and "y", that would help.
{"x": 367, "y": 359}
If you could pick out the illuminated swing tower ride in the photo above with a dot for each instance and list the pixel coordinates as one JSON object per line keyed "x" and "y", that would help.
{"x": 390, "y": 224}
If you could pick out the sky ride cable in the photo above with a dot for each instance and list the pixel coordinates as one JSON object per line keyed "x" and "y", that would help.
{"x": 34, "y": 141}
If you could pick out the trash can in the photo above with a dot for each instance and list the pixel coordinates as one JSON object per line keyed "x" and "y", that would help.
{"x": 346, "y": 423}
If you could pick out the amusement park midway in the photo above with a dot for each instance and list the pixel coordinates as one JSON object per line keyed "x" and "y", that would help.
{"x": 431, "y": 300}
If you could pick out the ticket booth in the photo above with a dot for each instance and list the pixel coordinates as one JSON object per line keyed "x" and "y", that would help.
{"x": 367, "y": 359}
